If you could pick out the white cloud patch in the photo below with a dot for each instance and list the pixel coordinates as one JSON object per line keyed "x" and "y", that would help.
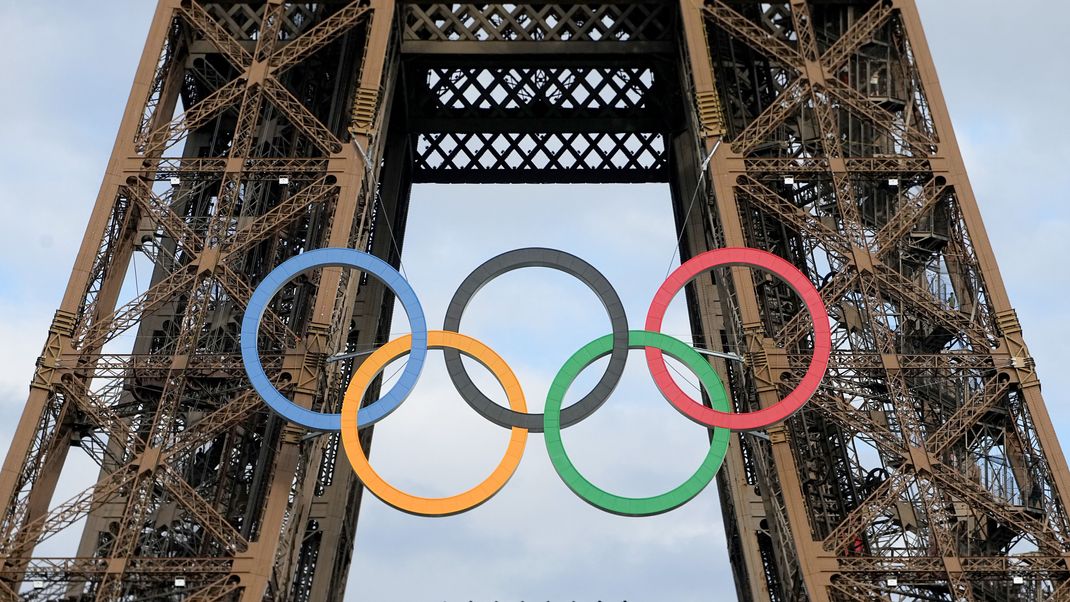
{"x": 1010, "y": 117}
{"x": 536, "y": 539}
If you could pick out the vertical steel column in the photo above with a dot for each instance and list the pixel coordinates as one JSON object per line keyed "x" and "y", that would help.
{"x": 931, "y": 492}
{"x": 948, "y": 163}
{"x": 39, "y": 446}
{"x": 759, "y": 346}
{"x": 357, "y": 164}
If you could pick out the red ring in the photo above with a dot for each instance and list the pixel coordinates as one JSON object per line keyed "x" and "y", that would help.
{"x": 793, "y": 278}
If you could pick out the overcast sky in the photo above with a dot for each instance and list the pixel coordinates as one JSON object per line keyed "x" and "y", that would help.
{"x": 69, "y": 65}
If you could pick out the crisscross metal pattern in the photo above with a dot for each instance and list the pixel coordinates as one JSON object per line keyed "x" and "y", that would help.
{"x": 541, "y": 158}
{"x": 633, "y": 21}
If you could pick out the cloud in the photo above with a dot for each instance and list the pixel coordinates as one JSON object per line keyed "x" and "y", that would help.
{"x": 1010, "y": 116}
{"x": 536, "y": 539}
{"x": 59, "y": 126}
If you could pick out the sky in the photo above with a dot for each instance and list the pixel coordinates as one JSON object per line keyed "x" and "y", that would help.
{"x": 69, "y": 65}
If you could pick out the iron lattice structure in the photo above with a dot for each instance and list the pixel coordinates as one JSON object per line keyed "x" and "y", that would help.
{"x": 926, "y": 468}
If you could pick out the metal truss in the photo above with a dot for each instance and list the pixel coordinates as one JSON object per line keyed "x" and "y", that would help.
{"x": 926, "y": 467}
{"x": 582, "y": 95}
{"x": 229, "y": 160}
{"x": 564, "y": 22}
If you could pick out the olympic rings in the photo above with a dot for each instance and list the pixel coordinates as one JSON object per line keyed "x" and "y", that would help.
{"x": 616, "y": 345}
{"x": 358, "y": 385}
{"x": 544, "y": 258}
{"x": 637, "y": 339}
{"x": 798, "y": 282}
{"x": 331, "y": 257}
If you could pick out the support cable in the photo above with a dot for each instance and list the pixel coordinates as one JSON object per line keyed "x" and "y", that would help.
{"x": 382, "y": 208}
{"x": 691, "y": 205}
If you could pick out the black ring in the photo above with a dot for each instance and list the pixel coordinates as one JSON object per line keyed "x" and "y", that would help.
{"x": 540, "y": 258}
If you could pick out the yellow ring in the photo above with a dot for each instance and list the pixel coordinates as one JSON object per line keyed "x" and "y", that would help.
{"x": 358, "y": 385}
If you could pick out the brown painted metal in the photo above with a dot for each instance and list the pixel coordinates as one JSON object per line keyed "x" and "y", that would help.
{"x": 925, "y": 468}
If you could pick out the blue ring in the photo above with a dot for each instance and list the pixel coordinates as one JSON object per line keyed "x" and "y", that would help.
{"x": 332, "y": 257}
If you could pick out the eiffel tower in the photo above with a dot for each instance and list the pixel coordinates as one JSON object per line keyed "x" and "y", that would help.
{"x": 925, "y": 468}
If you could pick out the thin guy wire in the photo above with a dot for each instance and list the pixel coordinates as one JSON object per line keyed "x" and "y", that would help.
{"x": 691, "y": 205}
{"x": 684, "y": 378}
{"x": 137, "y": 287}
{"x": 382, "y": 209}
{"x": 390, "y": 231}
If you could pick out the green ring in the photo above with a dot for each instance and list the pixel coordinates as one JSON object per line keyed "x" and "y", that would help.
{"x": 625, "y": 506}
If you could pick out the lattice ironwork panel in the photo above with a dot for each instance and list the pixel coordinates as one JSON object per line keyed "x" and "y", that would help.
{"x": 650, "y": 21}
{"x": 536, "y": 92}
{"x": 244, "y": 20}
{"x": 526, "y": 157}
